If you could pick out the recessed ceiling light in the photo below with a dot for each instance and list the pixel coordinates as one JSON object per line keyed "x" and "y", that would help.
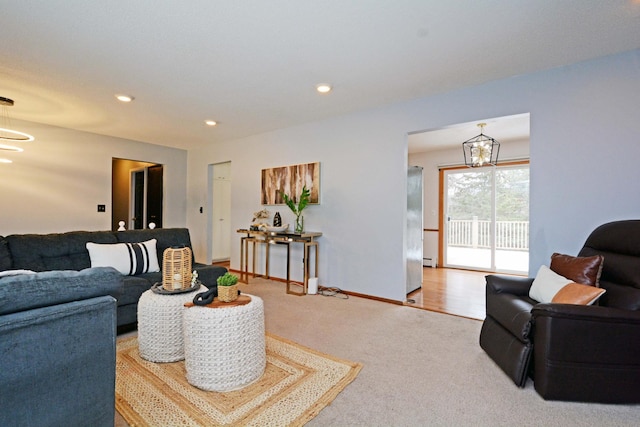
{"x": 323, "y": 88}
{"x": 124, "y": 98}
{"x": 210, "y": 122}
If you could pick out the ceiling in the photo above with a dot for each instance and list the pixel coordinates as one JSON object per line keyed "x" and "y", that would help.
{"x": 253, "y": 65}
{"x": 502, "y": 129}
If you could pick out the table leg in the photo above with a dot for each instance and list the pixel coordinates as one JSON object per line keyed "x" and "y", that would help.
{"x": 267, "y": 251}
{"x": 244, "y": 274}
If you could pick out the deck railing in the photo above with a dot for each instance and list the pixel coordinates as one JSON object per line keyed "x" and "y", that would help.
{"x": 474, "y": 233}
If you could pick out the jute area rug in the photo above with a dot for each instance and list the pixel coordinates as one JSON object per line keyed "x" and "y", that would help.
{"x": 298, "y": 382}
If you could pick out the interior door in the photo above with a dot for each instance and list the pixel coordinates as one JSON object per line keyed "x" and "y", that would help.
{"x": 155, "y": 195}
{"x": 221, "y": 212}
{"x": 138, "y": 196}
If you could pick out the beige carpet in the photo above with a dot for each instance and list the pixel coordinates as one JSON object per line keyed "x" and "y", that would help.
{"x": 420, "y": 368}
{"x": 298, "y": 382}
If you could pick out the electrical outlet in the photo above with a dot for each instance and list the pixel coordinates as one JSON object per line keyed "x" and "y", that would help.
{"x": 102, "y": 208}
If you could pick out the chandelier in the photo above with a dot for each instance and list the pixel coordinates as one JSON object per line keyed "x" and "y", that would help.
{"x": 480, "y": 150}
{"x": 6, "y": 134}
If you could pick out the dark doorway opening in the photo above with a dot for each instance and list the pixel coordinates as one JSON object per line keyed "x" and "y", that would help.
{"x": 137, "y": 194}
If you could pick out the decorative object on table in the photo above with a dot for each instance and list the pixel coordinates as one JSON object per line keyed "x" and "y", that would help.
{"x": 480, "y": 150}
{"x": 297, "y": 209}
{"x": 152, "y": 225}
{"x": 176, "y": 268}
{"x": 121, "y": 226}
{"x": 278, "y": 229}
{"x": 290, "y": 179}
{"x": 159, "y": 289}
{"x": 260, "y": 215}
{"x": 277, "y": 220}
{"x": 194, "y": 277}
{"x": 227, "y": 287}
{"x": 204, "y": 298}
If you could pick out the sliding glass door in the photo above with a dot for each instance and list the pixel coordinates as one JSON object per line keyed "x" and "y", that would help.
{"x": 486, "y": 213}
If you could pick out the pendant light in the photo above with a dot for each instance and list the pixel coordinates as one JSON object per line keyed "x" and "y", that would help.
{"x": 6, "y": 134}
{"x": 480, "y": 150}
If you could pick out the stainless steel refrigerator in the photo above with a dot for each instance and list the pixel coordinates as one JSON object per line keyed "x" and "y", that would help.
{"x": 414, "y": 228}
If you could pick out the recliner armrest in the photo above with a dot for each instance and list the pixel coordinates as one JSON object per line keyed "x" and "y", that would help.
{"x": 586, "y": 313}
{"x": 579, "y": 334}
{"x": 508, "y": 285}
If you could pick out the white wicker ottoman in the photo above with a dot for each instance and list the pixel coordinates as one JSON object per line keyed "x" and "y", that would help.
{"x": 160, "y": 337}
{"x": 224, "y": 346}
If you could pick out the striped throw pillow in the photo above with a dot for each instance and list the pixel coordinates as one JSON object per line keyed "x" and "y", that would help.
{"x": 128, "y": 258}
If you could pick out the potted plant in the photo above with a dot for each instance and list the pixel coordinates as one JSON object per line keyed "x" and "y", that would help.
{"x": 227, "y": 287}
{"x": 297, "y": 209}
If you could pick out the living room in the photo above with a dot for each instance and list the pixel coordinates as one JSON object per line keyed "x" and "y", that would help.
{"x": 583, "y": 150}
{"x": 574, "y": 110}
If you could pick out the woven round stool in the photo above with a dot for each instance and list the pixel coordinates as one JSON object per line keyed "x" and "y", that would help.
{"x": 160, "y": 337}
{"x": 224, "y": 346}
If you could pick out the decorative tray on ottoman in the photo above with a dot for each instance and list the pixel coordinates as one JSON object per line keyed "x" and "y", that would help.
{"x": 158, "y": 289}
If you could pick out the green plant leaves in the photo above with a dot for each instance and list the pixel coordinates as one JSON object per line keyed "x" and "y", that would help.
{"x": 303, "y": 201}
{"x": 227, "y": 279}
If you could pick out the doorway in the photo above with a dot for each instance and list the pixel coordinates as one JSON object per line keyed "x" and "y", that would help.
{"x": 219, "y": 223}
{"x": 145, "y": 192}
{"x": 486, "y": 212}
{"x": 137, "y": 189}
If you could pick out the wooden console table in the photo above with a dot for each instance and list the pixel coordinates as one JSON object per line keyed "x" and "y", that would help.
{"x": 307, "y": 238}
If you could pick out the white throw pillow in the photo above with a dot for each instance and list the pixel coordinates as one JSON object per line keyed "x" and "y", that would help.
{"x": 7, "y": 273}
{"x": 547, "y": 284}
{"x": 128, "y": 258}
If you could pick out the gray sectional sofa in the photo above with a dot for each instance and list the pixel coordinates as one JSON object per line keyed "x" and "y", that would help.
{"x": 58, "y": 347}
{"x": 68, "y": 251}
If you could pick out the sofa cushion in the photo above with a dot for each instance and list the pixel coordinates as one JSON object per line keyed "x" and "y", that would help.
{"x": 134, "y": 286}
{"x": 575, "y": 293}
{"x": 583, "y": 270}
{"x": 5, "y": 255}
{"x": 28, "y": 291}
{"x": 128, "y": 258}
{"x": 56, "y": 251}
{"x": 208, "y": 274}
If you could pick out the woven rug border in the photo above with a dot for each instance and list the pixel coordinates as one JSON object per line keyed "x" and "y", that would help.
{"x": 132, "y": 417}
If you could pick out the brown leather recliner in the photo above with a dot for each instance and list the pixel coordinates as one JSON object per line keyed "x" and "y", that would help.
{"x": 573, "y": 352}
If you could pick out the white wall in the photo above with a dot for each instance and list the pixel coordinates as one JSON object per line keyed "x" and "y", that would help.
{"x": 583, "y": 167}
{"x": 56, "y": 184}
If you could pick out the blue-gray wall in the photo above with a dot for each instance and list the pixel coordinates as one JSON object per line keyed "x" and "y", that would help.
{"x": 584, "y": 154}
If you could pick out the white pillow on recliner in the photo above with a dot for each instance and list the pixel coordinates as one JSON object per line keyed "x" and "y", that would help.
{"x": 547, "y": 284}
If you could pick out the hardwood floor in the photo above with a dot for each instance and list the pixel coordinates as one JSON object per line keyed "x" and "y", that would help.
{"x": 447, "y": 290}
{"x": 451, "y": 291}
